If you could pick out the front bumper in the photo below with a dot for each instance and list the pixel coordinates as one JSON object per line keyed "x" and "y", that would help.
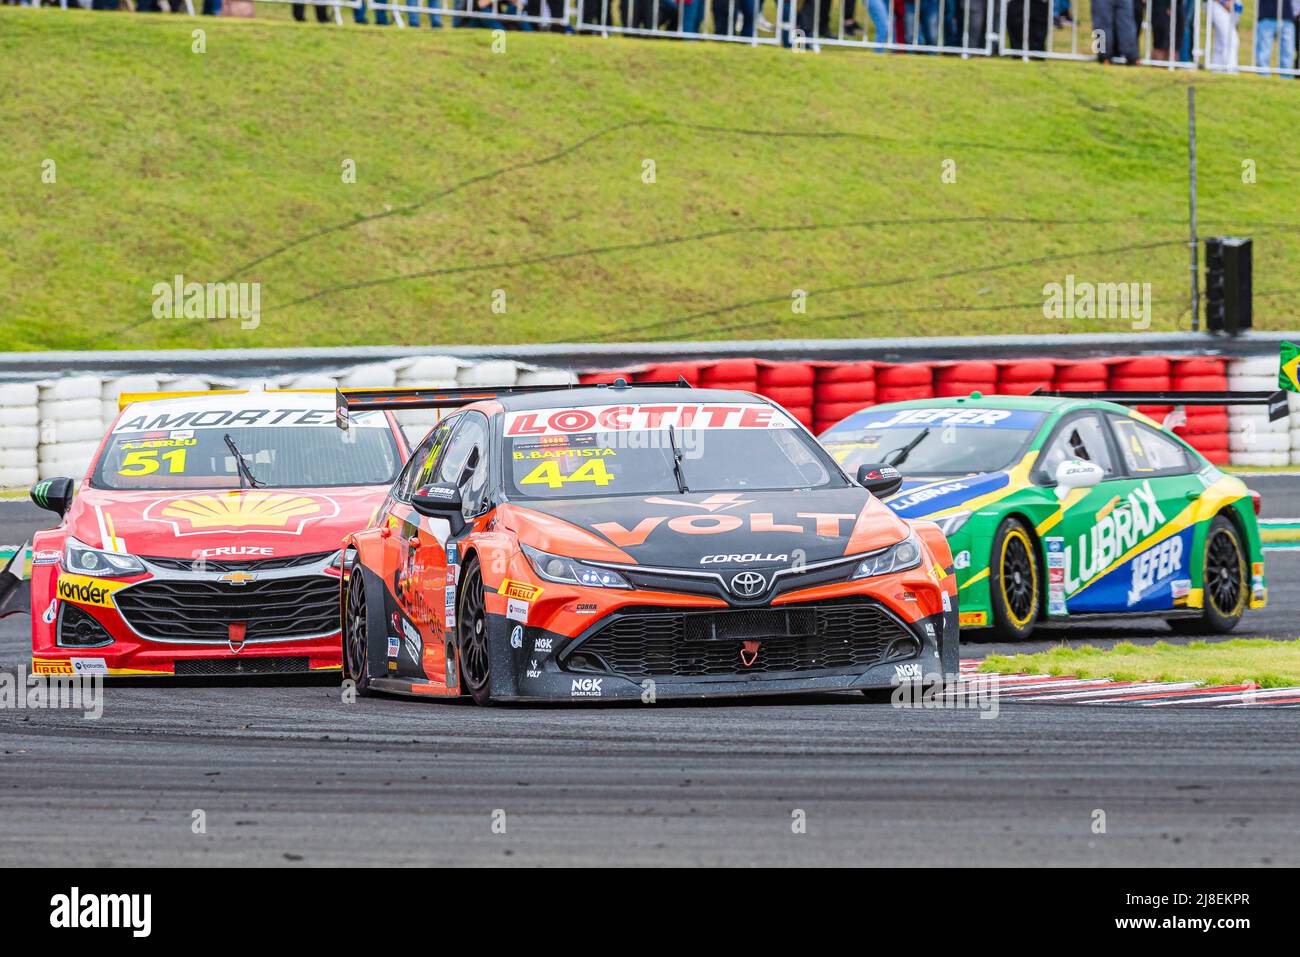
{"x": 148, "y": 643}
{"x": 546, "y": 667}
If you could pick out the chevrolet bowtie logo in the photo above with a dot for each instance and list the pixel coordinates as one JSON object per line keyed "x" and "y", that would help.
{"x": 237, "y": 578}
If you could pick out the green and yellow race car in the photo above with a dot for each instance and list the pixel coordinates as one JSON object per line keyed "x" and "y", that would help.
{"x": 1059, "y": 506}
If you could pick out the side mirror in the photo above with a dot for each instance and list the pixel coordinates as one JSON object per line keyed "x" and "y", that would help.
{"x": 54, "y": 495}
{"x": 440, "y": 501}
{"x": 880, "y": 480}
{"x": 1076, "y": 473}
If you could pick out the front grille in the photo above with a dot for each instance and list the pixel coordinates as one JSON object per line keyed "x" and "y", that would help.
{"x": 219, "y": 565}
{"x": 203, "y": 611}
{"x": 218, "y": 667}
{"x": 844, "y": 633}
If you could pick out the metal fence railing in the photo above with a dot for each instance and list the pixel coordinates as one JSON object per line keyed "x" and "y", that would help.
{"x": 1223, "y": 36}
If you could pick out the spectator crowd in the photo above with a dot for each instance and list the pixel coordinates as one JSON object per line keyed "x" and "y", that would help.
{"x": 951, "y": 24}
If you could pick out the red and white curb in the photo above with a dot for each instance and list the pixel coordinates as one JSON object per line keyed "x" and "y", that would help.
{"x": 1058, "y": 689}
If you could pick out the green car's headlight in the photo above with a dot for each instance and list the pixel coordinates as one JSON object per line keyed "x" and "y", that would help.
{"x": 950, "y": 524}
{"x": 896, "y": 558}
{"x": 80, "y": 558}
{"x": 569, "y": 571}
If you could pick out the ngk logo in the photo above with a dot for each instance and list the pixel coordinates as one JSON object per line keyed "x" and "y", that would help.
{"x": 586, "y": 688}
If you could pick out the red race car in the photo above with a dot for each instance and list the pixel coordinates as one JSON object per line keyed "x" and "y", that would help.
{"x": 643, "y": 542}
{"x": 205, "y": 537}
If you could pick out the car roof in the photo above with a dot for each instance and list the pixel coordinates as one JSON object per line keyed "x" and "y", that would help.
{"x": 976, "y": 400}
{"x": 615, "y": 395}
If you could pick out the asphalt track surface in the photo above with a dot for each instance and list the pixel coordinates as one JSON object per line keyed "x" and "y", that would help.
{"x": 287, "y": 773}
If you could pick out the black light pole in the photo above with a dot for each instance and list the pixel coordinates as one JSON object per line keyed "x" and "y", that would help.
{"x": 1191, "y": 165}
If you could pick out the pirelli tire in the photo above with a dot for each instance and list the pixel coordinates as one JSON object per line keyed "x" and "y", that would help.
{"x": 1225, "y": 583}
{"x": 362, "y": 616}
{"x": 1015, "y": 581}
{"x": 472, "y": 636}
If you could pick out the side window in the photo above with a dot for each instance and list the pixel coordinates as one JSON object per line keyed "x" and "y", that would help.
{"x": 466, "y": 461}
{"x": 423, "y": 459}
{"x": 1148, "y": 452}
{"x": 1081, "y": 437}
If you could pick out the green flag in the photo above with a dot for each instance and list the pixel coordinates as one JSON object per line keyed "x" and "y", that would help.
{"x": 1288, "y": 373}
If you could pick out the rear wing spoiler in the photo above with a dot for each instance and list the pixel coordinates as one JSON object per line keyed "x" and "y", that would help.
{"x": 347, "y": 401}
{"x": 1275, "y": 401}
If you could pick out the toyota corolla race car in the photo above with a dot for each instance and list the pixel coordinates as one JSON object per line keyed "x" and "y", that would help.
{"x": 205, "y": 537}
{"x": 1066, "y": 505}
{"x": 641, "y": 542}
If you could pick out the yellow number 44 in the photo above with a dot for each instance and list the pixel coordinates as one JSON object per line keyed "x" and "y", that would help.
{"x": 548, "y": 473}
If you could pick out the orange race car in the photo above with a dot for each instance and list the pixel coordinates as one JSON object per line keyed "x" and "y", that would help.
{"x": 636, "y": 541}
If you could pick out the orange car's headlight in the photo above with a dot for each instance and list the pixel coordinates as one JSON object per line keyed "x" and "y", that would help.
{"x": 896, "y": 558}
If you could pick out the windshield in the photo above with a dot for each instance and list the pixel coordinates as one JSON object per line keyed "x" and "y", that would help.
{"x": 659, "y": 450}
{"x": 933, "y": 441}
{"x": 277, "y": 456}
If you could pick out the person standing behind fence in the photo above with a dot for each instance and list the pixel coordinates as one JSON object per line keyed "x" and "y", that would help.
{"x": 1114, "y": 30}
{"x": 640, "y": 14}
{"x": 1040, "y": 12}
{"x": 724, "y": 18}
{"x": 1277, "y": 20}
{"x": 1223, "y": 27}
{"x": 322, "y": 13}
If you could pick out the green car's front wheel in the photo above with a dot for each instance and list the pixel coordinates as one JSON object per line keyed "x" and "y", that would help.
{"x": 1225, "y": 583}
{"x": 1015, "y": 586}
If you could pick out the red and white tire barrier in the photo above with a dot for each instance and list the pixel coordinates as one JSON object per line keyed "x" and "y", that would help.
{"x": 821, "y": 394}
{"x": 1057, "y": 689}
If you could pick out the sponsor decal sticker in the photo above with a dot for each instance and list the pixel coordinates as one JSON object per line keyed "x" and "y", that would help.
{"x": 46, "y": 556}
{"x": 908, "y": 671}
{"x": 973, "y": 619}
{"x": 237, "y": 512}
{"x": 1154, "y": 567}
{"x": 542, "y": 646}
{"x": 521, "y": 590}
{"x": 533, "y": 671}
{"x": 517, "y": 636}
{"x": 51, "y": 613}
{"x": 52, "y": 666}
{"x": 516, "y": 610}
{"x": 961, "y": 559}
{"x": 584, "y": 608}
{"x": 746, "y": 558}
{"x": 84, "y": 590}
{"x": 1116, "y": 531}
{"x": 945, "y": 601}
{"x": 1055, "y": 575}
{"x": 90, "y": 666}
{"x": 394, "y": 646}
{"x": 586, "y": 688}
{"x": 640, "y": 418}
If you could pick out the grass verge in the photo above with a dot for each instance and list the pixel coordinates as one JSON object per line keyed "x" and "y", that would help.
{"x": 1267, "y": 663}
{"x": 508, "y": 197}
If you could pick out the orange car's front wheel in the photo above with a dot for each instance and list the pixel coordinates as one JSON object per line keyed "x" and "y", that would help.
{"x": 472, "y": 636}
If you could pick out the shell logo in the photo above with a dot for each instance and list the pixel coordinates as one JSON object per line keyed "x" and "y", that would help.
{"x": 242, "y": 511}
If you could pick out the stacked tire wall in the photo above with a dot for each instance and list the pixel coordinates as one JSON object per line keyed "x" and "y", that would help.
{"x": 820, "y": 394}
{"x": 54, "y": 427}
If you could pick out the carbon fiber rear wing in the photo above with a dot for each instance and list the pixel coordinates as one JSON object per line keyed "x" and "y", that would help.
{"x": 1275, "y": 401}
{"x": 365, "y": 400}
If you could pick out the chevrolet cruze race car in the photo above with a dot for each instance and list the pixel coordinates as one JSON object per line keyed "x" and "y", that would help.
{"x": 205, "y": 537}
{"x": 1063, "y": 506}
{"x": 646, "y": 541}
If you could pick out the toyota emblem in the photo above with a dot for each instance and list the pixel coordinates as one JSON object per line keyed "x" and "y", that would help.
{"x": 748, "y": 584}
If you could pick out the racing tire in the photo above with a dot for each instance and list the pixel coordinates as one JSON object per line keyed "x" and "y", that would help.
{"x": 356, "y": 633}
{"x": 1225, "y": 583}
{"x": 1015, "y": 585}
{"x": 472, "y": 636}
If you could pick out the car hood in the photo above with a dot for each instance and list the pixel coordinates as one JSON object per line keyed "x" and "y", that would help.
{"x": 921, "y": 498}
{"x": 717, "y": 529}
{"x": 252, "y": 523}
